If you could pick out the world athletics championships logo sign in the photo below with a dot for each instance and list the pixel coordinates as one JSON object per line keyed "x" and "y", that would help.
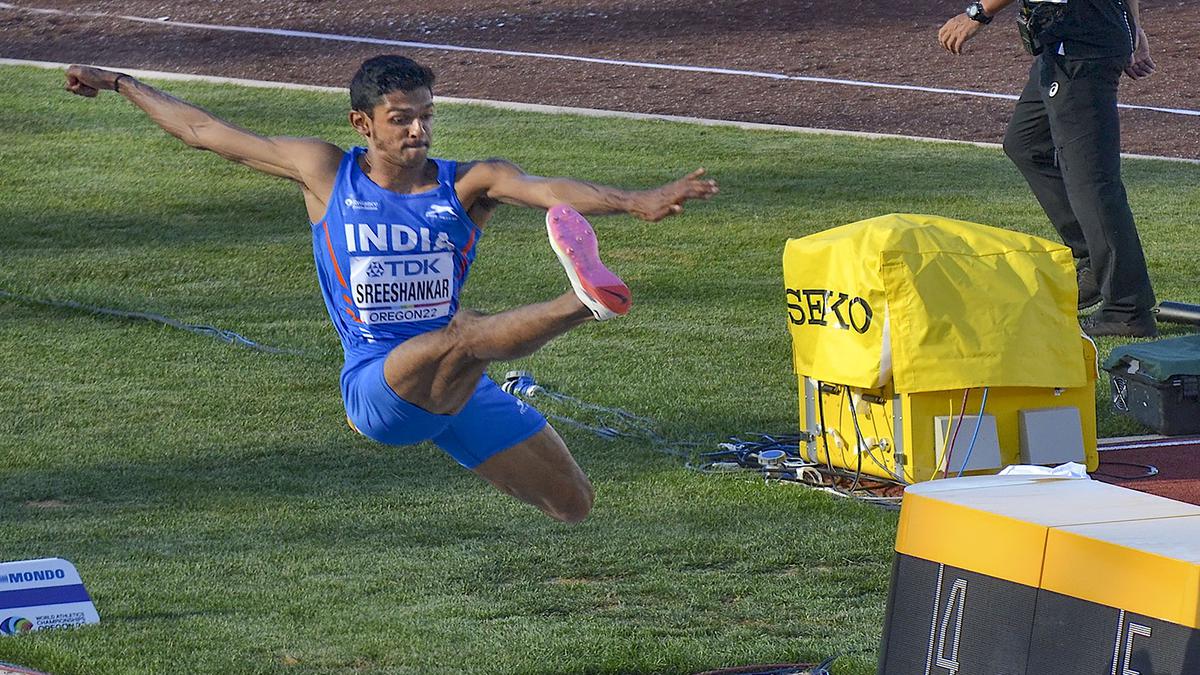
{"x": 40, "y": 594}
{"x": 15, "y": 625}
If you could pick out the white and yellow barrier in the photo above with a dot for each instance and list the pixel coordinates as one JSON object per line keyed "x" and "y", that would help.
{"x": 1017, "y": 574}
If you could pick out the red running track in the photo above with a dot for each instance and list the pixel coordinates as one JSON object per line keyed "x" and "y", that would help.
{"x": 1123, "y": 461}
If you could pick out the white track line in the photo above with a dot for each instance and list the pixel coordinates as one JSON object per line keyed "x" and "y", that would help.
{"x": 552, "y": 109}
{"x": 1153, "y": 442}
{"x": 335, "y": 37}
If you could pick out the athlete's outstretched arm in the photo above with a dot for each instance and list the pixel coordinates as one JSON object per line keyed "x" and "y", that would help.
{"x": 308, "y": 161}
{"x": 503, "y": 181}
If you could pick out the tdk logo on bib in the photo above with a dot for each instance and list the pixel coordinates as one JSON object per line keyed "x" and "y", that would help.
{"x": 416, "y": 266}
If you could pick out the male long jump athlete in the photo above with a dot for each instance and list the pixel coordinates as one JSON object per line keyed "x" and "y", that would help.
{"x": 394, "y": 235}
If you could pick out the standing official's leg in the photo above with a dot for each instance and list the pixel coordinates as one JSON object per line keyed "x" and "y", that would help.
{"x": 1086, "y": 128}
{"x": 1028, "y": 143}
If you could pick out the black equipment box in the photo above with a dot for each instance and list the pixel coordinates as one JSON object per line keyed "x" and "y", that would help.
{"x": 1158, "y": 383}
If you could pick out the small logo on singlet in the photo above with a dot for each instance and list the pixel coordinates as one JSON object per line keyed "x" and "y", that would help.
{"x": 440, "y": 212}
{"x": 361, "y": 205}
{"x": 1053, "y": 89}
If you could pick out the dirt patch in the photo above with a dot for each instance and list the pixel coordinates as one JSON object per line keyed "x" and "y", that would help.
{"x": 47, "y": 504}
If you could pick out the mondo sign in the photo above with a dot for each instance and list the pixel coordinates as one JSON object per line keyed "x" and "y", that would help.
{"x": 44, "y": 593}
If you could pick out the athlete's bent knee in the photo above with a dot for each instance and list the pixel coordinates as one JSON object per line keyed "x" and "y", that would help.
{"x": 461, "y": 330}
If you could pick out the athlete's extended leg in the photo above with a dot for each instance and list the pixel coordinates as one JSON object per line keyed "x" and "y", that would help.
{"x": 540, "y": 471}
{"x": 438, "y": 371}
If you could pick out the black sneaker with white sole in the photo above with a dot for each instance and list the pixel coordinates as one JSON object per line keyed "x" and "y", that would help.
{"x": 1089, "y": 292}
{"x": 1141, "y": 326}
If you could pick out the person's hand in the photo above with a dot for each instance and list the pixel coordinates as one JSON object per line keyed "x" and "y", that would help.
{"x": 955, "y": 33}
{"x": 88, "y": 81}
{"x": 1140, "y": 64}
{"x": 654, "y": 205}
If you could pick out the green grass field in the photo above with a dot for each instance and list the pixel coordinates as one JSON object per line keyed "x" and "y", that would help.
{"x": 227, "y": 521}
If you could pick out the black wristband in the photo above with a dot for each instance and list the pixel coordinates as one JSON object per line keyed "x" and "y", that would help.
{"x": 117, "y": 82}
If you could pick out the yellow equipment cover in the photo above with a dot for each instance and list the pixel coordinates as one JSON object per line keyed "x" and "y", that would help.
{"x": 932, "y": 304}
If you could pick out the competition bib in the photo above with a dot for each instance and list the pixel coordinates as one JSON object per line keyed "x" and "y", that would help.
{"x": 402, "y": 288}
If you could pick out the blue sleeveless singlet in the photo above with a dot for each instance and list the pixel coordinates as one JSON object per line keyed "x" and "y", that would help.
{"x": 391, "y": 265}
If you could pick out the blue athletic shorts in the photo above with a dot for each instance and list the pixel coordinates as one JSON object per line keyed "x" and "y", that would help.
{"x": 491, "y": 422}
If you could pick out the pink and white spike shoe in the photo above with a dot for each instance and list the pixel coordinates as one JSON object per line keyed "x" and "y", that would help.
{"x": 574, "y": 242}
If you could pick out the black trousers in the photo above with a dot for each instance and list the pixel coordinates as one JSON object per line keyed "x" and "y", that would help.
{"x": 1065, "y": 137}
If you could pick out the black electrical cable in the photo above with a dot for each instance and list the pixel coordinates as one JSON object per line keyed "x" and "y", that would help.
{"x": 861, "y": 442}
{"x": 822, "y": 668}
{"x": 744, "y": 454}
{"x": 821, "y": 418}
{"x": 772, "y": 456}
{"x": 1149, "y": 471}
{"x": 212, "y": 331}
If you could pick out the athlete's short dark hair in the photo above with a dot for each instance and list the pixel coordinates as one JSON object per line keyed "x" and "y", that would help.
{"x": 382, "y": 75}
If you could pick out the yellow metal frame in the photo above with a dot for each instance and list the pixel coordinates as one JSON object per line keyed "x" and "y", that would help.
{"x": 898, "y": 428}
